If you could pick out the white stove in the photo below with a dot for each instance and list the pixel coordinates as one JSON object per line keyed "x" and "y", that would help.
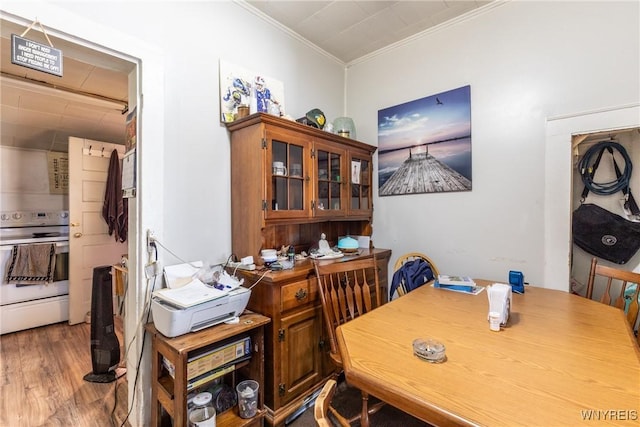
{"x": 24, "y": 307}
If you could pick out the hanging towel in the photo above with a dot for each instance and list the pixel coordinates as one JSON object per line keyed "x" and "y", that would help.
{"x": 114, "y": 209}
{"x": 32, "y": 264}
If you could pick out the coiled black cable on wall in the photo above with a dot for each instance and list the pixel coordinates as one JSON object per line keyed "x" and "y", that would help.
{"x": 587, "y": 167}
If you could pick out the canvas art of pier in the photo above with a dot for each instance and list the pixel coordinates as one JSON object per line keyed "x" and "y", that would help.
{"x": 423, "y": 173}
{"x": 424, "y": 145}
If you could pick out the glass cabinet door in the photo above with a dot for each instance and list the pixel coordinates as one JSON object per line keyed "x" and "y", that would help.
{"x": 330, "y": 196}
{"x": 287, "y": 183}
{"x": 360, "y": 180}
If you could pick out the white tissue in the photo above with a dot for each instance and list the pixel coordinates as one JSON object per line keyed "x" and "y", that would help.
{"x": 500, "y": 298}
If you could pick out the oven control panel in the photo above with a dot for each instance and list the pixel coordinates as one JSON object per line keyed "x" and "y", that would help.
{"x": 33, "y": 218}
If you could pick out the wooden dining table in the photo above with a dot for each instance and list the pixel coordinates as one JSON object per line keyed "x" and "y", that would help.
{"x": 561, "y": 360}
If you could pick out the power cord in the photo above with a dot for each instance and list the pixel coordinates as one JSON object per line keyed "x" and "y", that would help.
{"x": 146, "y": 311}
{"x": 587, "y": 168}
{"x": 261, "y": 277}
{"x": 156, "y": 241}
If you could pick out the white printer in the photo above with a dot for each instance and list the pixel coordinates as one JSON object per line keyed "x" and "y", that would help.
{"x": 188, "y": 307}
{"x": 172, "y": 321}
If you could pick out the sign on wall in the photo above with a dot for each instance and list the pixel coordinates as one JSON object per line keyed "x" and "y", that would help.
{"x": 36, "y": 56}
{"x": 58, "y": 164}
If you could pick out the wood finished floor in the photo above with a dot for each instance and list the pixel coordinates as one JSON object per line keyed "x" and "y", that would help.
{"x": 41, "y": 380}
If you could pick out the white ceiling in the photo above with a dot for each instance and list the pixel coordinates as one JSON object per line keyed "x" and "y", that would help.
{"x": 40, "y": 110}
{"x": 41, "y": 118}
{"x": 349, "y": 30}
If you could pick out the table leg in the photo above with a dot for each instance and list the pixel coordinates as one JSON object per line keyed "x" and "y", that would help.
{"x": 364, "y": 417}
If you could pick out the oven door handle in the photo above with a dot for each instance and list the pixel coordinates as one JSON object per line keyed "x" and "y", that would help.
{"x": 10, "y": 247}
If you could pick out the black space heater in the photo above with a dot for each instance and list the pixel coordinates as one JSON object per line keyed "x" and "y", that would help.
{"x": 105, "y": 347}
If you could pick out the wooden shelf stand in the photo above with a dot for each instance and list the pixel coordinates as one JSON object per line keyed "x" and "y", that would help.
{"x": 169, "y": 393}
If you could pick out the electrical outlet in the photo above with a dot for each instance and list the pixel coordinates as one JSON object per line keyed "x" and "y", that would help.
{"x": 151, "y": 238}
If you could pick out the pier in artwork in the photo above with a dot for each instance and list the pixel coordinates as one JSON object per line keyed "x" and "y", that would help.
{"x": 423, "y": 173}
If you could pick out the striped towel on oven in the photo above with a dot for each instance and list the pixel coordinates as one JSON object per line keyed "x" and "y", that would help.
{"x": 31, "y": 264}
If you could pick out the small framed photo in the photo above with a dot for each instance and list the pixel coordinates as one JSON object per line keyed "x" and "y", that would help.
{"x": 355, "y": 172}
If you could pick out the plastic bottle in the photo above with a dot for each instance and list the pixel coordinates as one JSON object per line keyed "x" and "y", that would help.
{"x": 203, "y": 413}
{"x": 292, "y": 254}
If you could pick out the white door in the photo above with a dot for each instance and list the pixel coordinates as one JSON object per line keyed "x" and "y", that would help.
{"x": 90, "y": 244}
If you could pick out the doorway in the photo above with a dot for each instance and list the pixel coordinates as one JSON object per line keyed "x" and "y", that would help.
{"x": 83, "y": 113}
{"x": 559, "y": 192}
{"x": 629, "y": 140}
{"x": 90, "y": 100}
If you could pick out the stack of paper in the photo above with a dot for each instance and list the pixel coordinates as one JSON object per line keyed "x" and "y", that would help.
{"x": 193, "y": 293}
{"x": 176, "y": 276}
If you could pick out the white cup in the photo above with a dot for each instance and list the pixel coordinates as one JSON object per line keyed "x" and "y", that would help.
{"x": 279, "y": 169}
{"x": 296, "y": 169}
{"x": 494, "y": 321}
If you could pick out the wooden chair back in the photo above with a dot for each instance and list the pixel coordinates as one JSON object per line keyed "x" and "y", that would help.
{"x": 411, "y": 256}
{"x": 322, "y": 407}
{"x": 619, "y": 280}
{"x": 348, "y": 289}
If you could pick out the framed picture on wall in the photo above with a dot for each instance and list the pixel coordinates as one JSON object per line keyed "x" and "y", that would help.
{"x": 244, "y": 92}
{"x": 424, "y": 146}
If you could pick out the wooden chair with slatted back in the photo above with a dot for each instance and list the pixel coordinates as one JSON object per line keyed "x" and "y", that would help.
{"x": 616, "y": 277}
{"x": 348, "y": 289}
{"x": 412, "y": 256}
{"x": 322, "y": 407}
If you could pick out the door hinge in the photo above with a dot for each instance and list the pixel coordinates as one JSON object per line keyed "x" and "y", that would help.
{"x": 313, "y": 153}
{"x": 264, "y": 205}
{"x": 264, "y": 143}
{"x": 281, "y": 389}
{"x": 280, "y": 335}
{"x": 313, "y": 204}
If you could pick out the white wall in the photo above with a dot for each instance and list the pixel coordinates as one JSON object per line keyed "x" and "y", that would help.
{"x": 184, "y": 156}
{"x": 525, "y": 62}
{"x": 194, "y": 36}
{"x": 24, "y": 181}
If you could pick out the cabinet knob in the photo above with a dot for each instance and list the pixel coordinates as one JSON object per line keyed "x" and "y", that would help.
{"x": 301, "y": 294}
{"x": 77, "y": 235}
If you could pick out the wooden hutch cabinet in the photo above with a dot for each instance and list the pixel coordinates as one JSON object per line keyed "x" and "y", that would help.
{"x": 289, "y": 184}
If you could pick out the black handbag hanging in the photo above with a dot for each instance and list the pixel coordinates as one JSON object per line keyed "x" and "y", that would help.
{"x": 595, "y": 229}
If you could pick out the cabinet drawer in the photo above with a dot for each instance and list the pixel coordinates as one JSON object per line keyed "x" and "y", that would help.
{"x": 298, "y": 293}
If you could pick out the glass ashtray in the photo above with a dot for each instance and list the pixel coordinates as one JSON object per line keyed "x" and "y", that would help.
{"x": 430, "y": 350}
